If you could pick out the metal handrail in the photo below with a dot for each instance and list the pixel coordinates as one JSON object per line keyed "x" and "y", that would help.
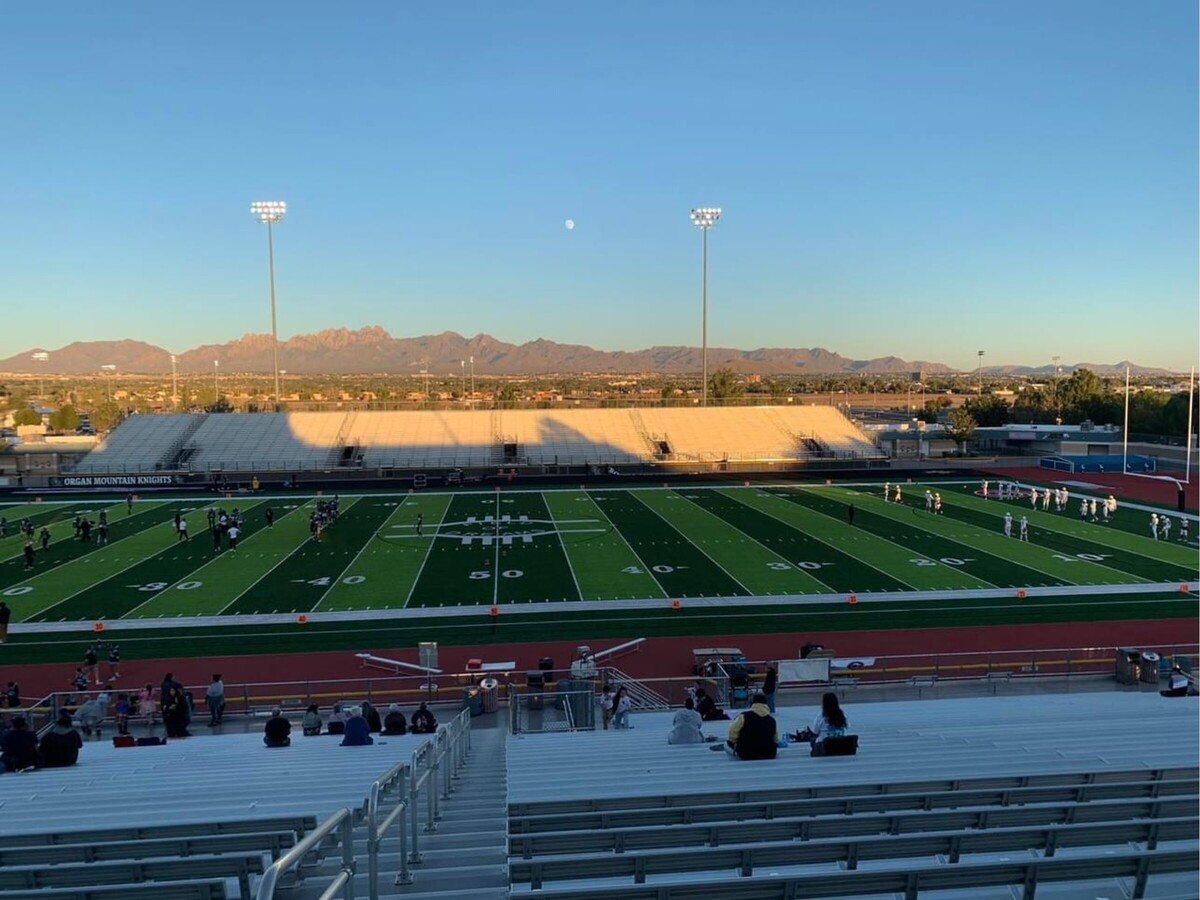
{"x": 377, "y": 829}
{"x": 342, "y": 821}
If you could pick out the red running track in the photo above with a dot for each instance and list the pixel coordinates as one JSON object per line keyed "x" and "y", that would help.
{"x": 658, "y": 658}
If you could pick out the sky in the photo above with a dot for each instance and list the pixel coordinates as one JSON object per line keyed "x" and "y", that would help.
{"x": 918, "y": 179}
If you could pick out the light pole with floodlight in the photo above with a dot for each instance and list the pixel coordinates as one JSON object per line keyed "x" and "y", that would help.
{"x": 472, "y": 360}
{"x": 704, "y": 218}
{"x": 980, "y": 352}
{"x": 462, "y": 365}
{"x": 271, "y": 213}
{"x": 109, "y": 369}
{"x": 43, "y": 357}
{"x": 174, "y": 385}
{"x": 216, "y": 389}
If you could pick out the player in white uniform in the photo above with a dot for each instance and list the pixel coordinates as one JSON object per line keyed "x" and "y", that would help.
{"x": 985, "y": 487}
{"x": 1093, "y": 509}
{"x": 1154, "y": 525}
{"x": 1024, "y": 529}
{"x": 1083, "y": 509}
{"x": 1033, "y": 498}
{"x": 887, "y": 489}
{"x": 929, "y": 501}
{"x": 1046, "y": 501}
{"x": 1112, "y": 506}
{"x": 899, "y": 499}
{"x": 1008, "y": 524}
{"x": 1165, "y": 527}
{"x": 937, "y": 504}
{"x": 1183, "y": 529}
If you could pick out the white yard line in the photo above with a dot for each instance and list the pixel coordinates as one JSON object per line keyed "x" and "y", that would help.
{"x": 496, "y": 562}
{"x": 361, "y": 550}
{"x": 666, "y": 522}
{"x": 562, "y": 544}
{"x": 428, "y": 551}
{"x": 636, "y": 555}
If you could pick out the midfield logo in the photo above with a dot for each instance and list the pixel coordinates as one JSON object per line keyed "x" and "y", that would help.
{"x": 491, "y": 530}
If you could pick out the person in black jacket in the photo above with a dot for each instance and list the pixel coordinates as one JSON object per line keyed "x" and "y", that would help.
{"x": 18, "y": 747}
{"x": 371, "y": 714}
{"x": 278, "y": 731}
{"x": 769, "y": 684}
{"x": 60, "y": 746}
{"x": 423, "y": 721}
{"x": 708, "y": 709}
{"x": 394, "y": 722}
{"x": 753, "y": 734}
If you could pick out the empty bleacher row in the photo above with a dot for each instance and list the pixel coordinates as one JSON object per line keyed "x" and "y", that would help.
{"x": 475, "y": 439}
{"x": 1100, "y": 790}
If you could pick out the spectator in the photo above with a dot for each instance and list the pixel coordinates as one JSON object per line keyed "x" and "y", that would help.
{"x": 81, "y": 683}
{"x": 769, "y": 685}
{"x": 394, "y": 722}
{"x": 278, "y": 731}
{"x": 92, "y": 713}
{"x": 311, "y": 724}
{"x": 114, "y": 662}
{"x": 830, "y": 722}
{"x": 709, "y": 711}
{"x": 122, "y": 713}
{"x": 606, "y": 705}
{"x": 5, "y": 618}
{"x": 12, "y": 695}
{"x": 371, "y": 714}
{"x": 146, "y": 708}
{"x": 91, "y": 662}
{"x": 753, "y": 734}
{"x": 358, "y": 733}
{"x": 18, "y": 747}
{"x": 168, "y": 682}
{"x": 175, "y": 713}
{"x": 1177, "y": 684}
{"x": 214, "y": 696}
{"x": 60, "y": 745}
{"x": 423, "y": 721}
{"x": 686, "y": 725}
{"x": 337, "y": 720}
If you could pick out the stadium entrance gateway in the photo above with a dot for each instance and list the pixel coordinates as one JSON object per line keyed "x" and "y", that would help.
{"x": 504, "y": 530}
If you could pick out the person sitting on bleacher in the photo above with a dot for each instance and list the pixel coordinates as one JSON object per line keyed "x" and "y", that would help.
{"x": 753, "y": 734}
{"x": 278, "y": 732}
{"x": 371, "y": 714}
{"x": 394, "y": 722}
{"x": 60, "y": 745}
{"x": 18, "y": 747}
{"x": 423, "y": 721}
{"x": 92, "y": 713}
{"x": 311, "y": 723}
{"x": 358, "y": 732}
{"x": 686, "y": 726}
{"x": 709, "y": 711}
{"x": 337, "y": 720}
{"x": 830, "y": 722}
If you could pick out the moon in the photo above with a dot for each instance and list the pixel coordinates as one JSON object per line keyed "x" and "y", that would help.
{"x": 570, "y": 223}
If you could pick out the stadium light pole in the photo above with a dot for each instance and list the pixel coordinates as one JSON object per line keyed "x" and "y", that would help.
{"x": 216, "y": 389}
{"x": 980, "y": 352}
{"x": 472, "y": 359}
{"x": 462, "y": 366}
{"x": 108, "y": 370}
{"x": 43, "y": 357}
{"x": 271, "y": 213}
{"x": 704, "y": 218}
{"x": 174, "y": 385}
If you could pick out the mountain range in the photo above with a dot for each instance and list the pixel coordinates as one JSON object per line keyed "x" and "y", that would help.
{"x": 338, "y": 351}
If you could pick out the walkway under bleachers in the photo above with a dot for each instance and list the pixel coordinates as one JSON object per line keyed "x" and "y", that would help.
{"x": 1098, "y": 790}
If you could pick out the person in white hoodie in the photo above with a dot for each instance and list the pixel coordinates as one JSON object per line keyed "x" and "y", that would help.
{"x": 686, "y": 725}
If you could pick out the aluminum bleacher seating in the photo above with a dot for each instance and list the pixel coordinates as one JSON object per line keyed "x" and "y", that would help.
{"x": 944, "y": 795}
{"x": 140, "y": 444}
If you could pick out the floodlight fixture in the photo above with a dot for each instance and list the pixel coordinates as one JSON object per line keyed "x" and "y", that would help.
{"x": 269, "y": 212}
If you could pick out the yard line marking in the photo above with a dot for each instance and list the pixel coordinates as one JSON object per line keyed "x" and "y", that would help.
{"x": 694, "y": 544}
{"x": 982, "y": 531}
{"x": 562, "y": 546}
{"x": 829, "y": 545}
{"x": 496, "y": 563}
{"x": 285, "y": 558}
{"x": 190, "y": 576}
{"x": 778, "y": 555}
{"x": 366, "y": 544}
{"x": 617, "y": 531}
{"x": 432, "y": 541}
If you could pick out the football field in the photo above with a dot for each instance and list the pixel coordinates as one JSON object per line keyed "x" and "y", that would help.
{"x": 513, "y": 547}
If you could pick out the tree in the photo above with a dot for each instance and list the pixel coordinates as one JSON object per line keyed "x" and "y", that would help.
{"x": 27, "y": 416}
{"x": 508, "y": 396}
{"x": 106, "y": 415}
{"x": 988, "y": 411}
{"x": 960, "y": 427}
{"x": 1082, "y": 387}
{"x": 64, "y": 418}
{"x": 932, "y": 408}
{"x": 723, "y": 384}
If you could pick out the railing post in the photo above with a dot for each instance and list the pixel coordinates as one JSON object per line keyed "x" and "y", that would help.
{"x": 404, "y": 876}
{"x": 348, "y": 854}
{"x": 414, "y": 855}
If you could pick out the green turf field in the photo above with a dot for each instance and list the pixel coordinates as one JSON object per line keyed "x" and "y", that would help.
{"x": 514, "y": 547}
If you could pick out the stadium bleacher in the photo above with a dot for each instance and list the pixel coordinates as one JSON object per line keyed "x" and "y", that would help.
{"x": 475, "y": 439}
{"x": 943, "y": 795}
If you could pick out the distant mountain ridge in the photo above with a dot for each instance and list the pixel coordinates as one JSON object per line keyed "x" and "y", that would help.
{"x": 342, "y": 351}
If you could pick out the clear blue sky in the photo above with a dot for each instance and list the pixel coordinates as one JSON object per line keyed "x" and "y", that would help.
{"x": 921, "y": 179}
